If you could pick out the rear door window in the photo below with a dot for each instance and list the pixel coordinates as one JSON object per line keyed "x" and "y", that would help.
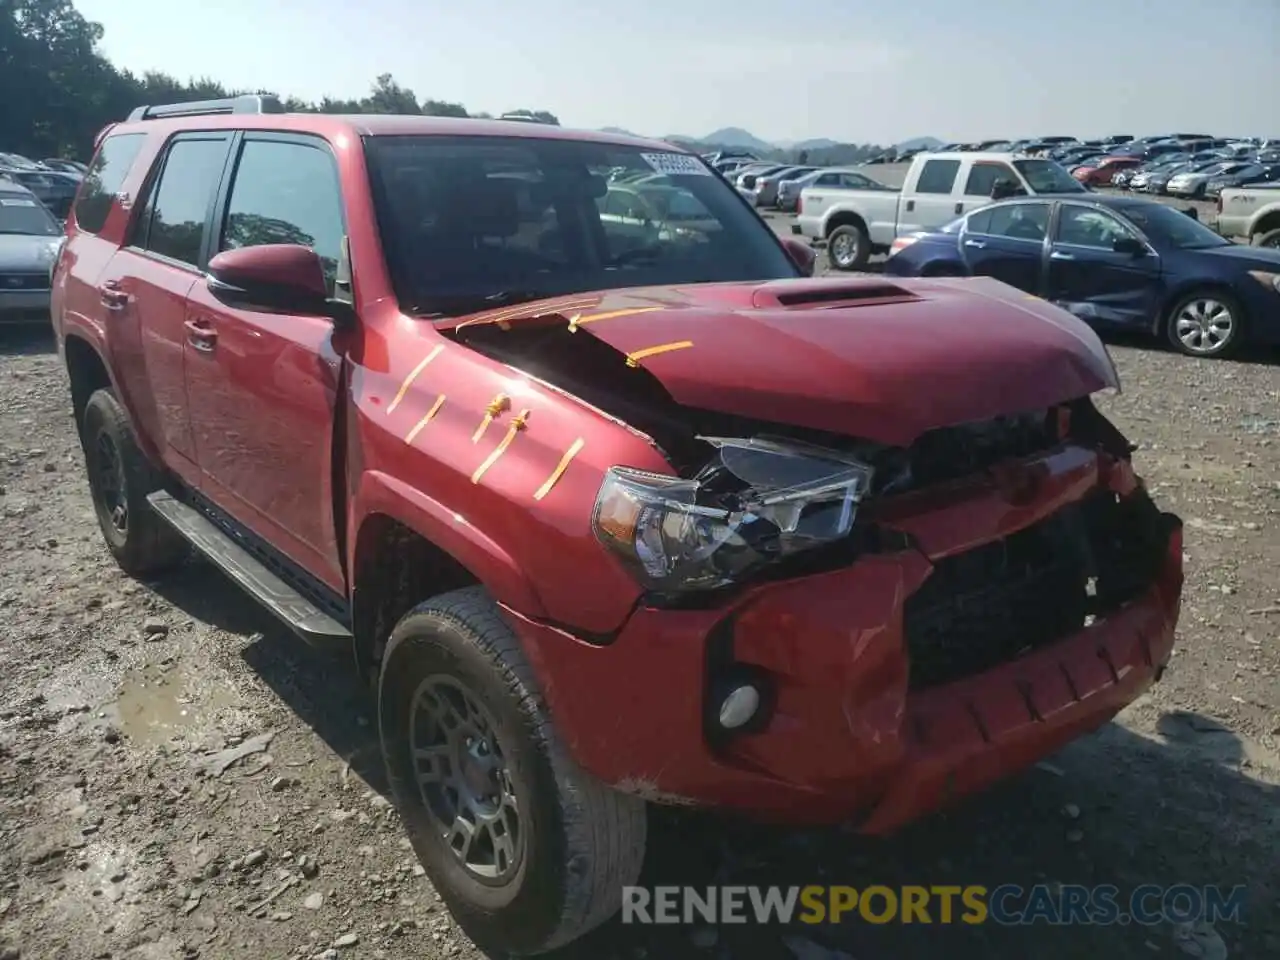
{"x": 181, "y": 201}
{"x": 1014, "y": 221}
{"x": 938, "y": 176}
{"x": 106, "y": 175}
{"x": 983, "y": 177}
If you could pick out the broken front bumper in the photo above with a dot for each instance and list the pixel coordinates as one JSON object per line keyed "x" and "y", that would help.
{"x": 871, "y": 716}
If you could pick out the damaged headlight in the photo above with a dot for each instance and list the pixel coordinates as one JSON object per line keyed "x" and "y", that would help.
{"x": 756, "y": 502}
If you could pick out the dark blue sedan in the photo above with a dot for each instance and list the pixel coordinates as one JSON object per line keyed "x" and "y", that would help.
{"x": 1117, "y": 262}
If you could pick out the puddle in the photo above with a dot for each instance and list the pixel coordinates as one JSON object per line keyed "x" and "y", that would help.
{"x": 159, "y": 703}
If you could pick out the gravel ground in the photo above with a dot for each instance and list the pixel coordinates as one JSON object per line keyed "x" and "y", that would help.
{"x": 121, "y": 835}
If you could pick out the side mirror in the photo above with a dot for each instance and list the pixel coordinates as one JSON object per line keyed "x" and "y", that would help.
{"x": 1130, "y": 245}
{"x": 801, "y": 254}
{"x": 274, "y": 277}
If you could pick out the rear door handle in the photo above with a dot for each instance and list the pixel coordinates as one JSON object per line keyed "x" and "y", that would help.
{"x": 200, "y": 335}
{"x": 975, "y": 243}
{"x": 1058, "y": 255}
{"x": 112, "y": 297}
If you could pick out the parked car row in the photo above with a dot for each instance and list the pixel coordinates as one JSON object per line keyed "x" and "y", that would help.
{"x": 53, "y": 181}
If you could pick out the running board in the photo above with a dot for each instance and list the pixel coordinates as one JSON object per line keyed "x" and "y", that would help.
{"x": 297, "y": 612}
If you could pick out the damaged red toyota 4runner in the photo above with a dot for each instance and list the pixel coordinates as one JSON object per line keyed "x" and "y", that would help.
{"x": 615, "y": 503}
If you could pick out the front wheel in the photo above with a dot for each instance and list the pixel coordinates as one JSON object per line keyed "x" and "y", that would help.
{"x": 528, "y": 851}
{"x": 1207, "y": 323}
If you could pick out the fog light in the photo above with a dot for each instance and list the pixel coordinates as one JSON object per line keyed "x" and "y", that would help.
{"x": 739, "y": 706}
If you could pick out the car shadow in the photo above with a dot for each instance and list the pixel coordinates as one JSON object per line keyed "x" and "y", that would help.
{"x": 1181, "y": 804}
{"x": 1250, "y": 354}
{"x": 21, "y": 340}
{"x": 322, "y": 690}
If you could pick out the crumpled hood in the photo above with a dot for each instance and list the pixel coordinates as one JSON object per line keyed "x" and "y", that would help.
{"x": 860, "y": 357}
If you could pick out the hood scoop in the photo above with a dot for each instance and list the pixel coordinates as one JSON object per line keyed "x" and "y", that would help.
{"x": 825, "y": 293}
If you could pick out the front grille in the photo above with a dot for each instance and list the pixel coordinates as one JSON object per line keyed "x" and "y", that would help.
{"x": 999, "y": 601}
{"x": 24, "y": 281}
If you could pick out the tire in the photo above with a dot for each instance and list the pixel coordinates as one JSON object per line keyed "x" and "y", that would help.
{"x": 853, "y": 239}
{"x": 120, "y": 477}
{"x": 575, "y": 843}
{"x": 1270, "y": 239}
{"x": 1207, "y": 305}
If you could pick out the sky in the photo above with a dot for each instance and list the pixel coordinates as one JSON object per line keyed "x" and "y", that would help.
{"x": 848, "y": 70}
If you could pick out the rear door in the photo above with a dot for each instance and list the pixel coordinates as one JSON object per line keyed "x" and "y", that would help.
{"x": 928, "y": 204}
{"x": 1008, "y": 242}
{"x": 263, "y": 386}
{"x": 144, "y": 288}
{"x": 1091, "y": 279}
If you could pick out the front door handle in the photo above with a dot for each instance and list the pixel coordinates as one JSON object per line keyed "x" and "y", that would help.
{"x": 1058, "y": 255}
{"x": 112, "y": 297}
{"x": 201, "y": 336}
{"x": 975, "y": 243}
{"x": 959, "y": 208}
{"x": 911, "y": 205}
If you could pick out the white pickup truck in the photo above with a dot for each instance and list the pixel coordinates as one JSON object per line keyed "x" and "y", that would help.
{"x": 939, "y": 187}
{"x": 1251, "y": 213}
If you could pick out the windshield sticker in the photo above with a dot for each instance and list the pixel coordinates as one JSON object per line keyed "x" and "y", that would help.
{"x": 17, "y": 203}
{"x": 676, "y": 164}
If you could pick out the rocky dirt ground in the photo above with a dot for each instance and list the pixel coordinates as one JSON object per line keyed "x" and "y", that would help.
{"x": 180, "y": 778}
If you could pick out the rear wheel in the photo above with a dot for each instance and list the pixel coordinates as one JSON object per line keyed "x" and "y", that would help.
{"x": 848, "y": 247}
{"x": 528, "y": 851}
{"x": 1207, "y": 323}
{"x": 1270, "y": 239}
{"x": 120, "y": 478}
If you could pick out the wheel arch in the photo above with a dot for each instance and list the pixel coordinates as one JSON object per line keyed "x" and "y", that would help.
{"x": 844, "y": 218}
{"x": 86, "y": 371}
{"x": 407, "y": 547}
{"x": 1270, "y": 220}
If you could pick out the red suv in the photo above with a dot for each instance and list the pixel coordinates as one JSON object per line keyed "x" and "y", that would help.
{"x": 614, "y": 506}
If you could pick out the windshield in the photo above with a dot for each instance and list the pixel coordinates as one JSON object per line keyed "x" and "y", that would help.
{"x": 26, "y": 216}
{"x": 473, "y": 222}
{"x": 1167, "y": 227}
{"x": 1045, "y": 176}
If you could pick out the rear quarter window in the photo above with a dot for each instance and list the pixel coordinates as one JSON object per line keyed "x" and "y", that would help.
{"x": 107, "y": 172}
{"x": 938, "y": 176}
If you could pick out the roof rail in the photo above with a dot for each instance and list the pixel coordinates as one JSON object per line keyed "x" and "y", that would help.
{"x": 249, "y": 103}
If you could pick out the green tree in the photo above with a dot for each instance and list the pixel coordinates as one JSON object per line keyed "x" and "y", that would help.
{"x": 57, "y": 90}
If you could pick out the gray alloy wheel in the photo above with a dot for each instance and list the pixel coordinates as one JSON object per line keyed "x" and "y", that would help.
{"x": 1205, "y": 324}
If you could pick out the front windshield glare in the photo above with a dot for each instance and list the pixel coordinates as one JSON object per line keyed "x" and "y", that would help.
{"x": 25, "y": 216}
{"x": 469, "y": 222}
{"x": 1045, "y": 176}
{"x": 1171, "y": 228}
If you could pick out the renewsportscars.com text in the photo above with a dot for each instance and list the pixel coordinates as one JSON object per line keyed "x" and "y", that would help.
{"x": 1007, "y": 904}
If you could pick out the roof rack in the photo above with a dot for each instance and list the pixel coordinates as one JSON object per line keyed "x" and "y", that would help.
{"x": 249, "y": 103}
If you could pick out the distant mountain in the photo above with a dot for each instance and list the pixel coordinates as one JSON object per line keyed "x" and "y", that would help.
{"x": 919, "y": 143}
{"x": 739, "y": 138}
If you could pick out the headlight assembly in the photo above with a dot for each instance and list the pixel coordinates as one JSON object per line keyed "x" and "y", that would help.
{"x": 755, "y": 503}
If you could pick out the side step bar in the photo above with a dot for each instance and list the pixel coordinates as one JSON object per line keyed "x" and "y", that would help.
{"x": 297, "y": 612}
